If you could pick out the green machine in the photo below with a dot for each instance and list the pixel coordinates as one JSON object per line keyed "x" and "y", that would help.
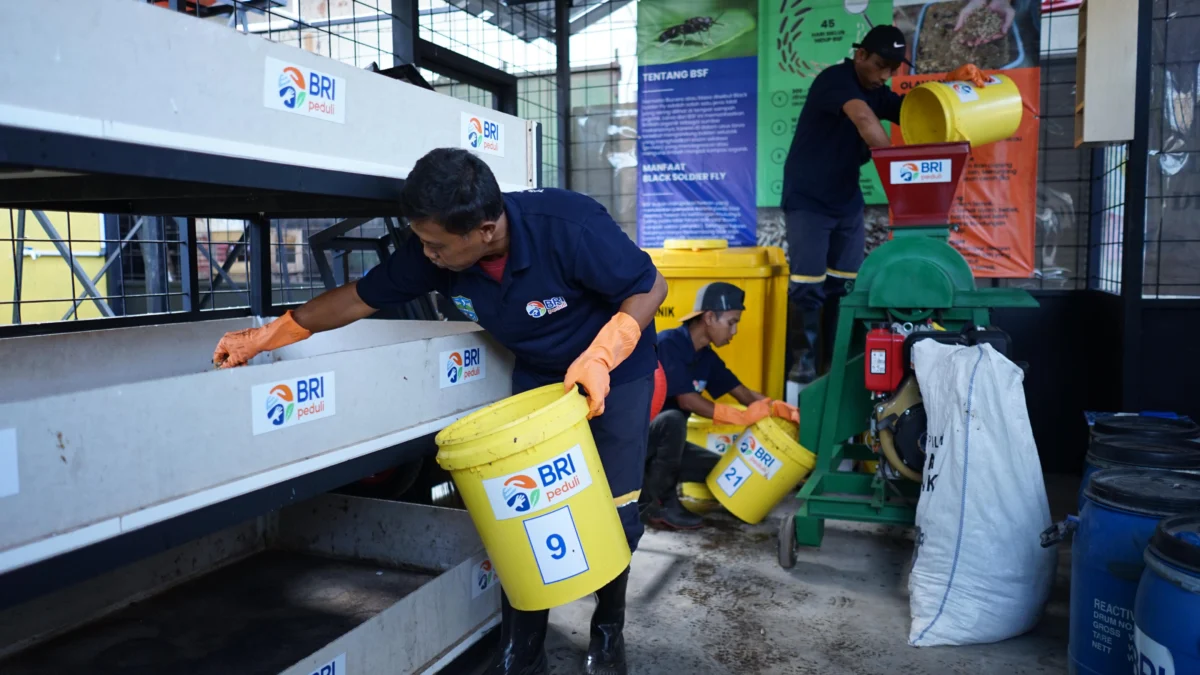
{"x": 868, "y": 406}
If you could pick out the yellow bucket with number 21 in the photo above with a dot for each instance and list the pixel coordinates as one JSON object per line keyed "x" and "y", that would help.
{"x": 767, "y": 464}
{"x": 528, "y": 471}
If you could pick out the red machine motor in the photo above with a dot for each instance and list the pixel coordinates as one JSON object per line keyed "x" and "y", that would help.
{"x": 884, "y": 360}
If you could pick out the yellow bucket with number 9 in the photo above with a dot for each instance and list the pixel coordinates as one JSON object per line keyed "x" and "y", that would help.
{"x": 767, "y": 464}
{"x": 530, "y": 476}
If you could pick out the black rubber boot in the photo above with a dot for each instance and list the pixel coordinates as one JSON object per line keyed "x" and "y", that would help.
{"x": 670, "y": 513}
{"x": 606, "y": 651}
{"x": 805, "y": 363}
{"x": 522, "y": 642}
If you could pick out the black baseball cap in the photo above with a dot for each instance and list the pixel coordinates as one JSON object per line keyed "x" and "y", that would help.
{"x": 886, "y": 41}
{"x": 717, "y": 297}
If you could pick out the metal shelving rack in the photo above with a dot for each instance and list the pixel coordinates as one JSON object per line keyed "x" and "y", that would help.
{"x": 143, "y": 132}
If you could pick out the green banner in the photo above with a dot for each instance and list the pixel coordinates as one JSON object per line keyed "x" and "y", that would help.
{"x": 797, "y": 40}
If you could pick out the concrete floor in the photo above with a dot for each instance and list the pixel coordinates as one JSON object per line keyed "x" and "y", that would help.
{"x": 716, "y": 601}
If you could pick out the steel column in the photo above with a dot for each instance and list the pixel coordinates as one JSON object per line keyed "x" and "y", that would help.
{"x": 1134, "y": 235}
{"x": 18, "y": 266}
{"x": 562, "y": 43}
{"x": 1095, "y": 220}
{"x": 405, "y": 30}
{"x": 187, "y": 264}
{"x": 154, "y": 258}
{"x": 261, "y": 302}
{"x": 281, "y": 251}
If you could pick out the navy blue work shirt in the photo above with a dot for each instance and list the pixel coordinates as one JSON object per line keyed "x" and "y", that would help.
{"x": 691, "y": 371}
{"x": 821, "y": 171}
{"x": 569, "y": 269}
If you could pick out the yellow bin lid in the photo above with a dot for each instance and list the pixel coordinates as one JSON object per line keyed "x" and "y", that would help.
{"x": 714, "y": 257}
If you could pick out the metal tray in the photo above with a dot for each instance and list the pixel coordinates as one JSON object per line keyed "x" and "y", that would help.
{"x": 371, "y": 586}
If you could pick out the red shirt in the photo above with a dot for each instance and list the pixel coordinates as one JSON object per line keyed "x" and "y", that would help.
{"x": 494, "y": 268}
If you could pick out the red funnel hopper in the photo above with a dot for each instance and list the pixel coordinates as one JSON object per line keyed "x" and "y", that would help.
{"x": 920, "y": 180}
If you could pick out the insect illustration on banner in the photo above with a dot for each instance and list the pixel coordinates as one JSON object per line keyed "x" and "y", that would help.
{"x": 697, "y": 25}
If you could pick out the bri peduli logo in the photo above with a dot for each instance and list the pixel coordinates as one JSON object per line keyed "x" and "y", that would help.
{"x": 748, "y": 445}
{"x": 280, "y": 405}
{"x": 909, "y": 172}
{"x": 525, "y": 492}
{"x": 963, "y": 89}
{"x": 536, "y": 309}
{"x": 521, "y": 493}
{"x": 463, "y": 365}
{"x": 292, "y": 90}
{"x": 485, "y": 575}
{"x": 923, "y": 171}
{"x": 722, "y": 443}
{"x": 482, "y": 134}
{"x": 314, "y": 93}
{"x": 454, "y": 367}
{"x": 283, "y": 404}
{"x": 474, "y": 132}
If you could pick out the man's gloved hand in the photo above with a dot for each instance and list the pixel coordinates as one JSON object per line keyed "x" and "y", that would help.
{"x": 727, "y": 414}
{"x": 785, "y": 411}
{"x": 615, "y": 341}
{"x": 236, "y": 348}
{"x": 967, "y": 73}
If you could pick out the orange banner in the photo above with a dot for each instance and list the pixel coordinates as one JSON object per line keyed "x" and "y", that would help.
{"x": 993, "y": 214}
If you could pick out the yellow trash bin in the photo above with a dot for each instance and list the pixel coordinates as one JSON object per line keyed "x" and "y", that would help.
{"x": 768, "y": 464}
{"x": 530, "y": 476}
{"x": 945, "y": 112}
{"x": 757, "y": 352}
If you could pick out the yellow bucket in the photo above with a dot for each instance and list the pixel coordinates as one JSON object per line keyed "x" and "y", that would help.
{"x": 945, "y": 112}
{"x": 530, "y": 476}
{"x": 697, "y": 498}
{"x": 712, "y": 437}
{"x": 768, "y": 464}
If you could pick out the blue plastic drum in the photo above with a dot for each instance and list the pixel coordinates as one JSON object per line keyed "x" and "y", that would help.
{"x": 1167, "y": 609}
{"x": 1147, "y": 427}
{"x": 1120, "y": 511}
{"x": 1134, "y": 452}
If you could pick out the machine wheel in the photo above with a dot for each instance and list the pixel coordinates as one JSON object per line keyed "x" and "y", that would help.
{"x": 787, "y": 542}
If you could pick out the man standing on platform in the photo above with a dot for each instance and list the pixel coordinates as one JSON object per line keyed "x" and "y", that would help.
{"x": 822, "y": 201}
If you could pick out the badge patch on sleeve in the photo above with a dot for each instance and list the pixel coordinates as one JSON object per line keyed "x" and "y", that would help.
{"x": 465, "y": 306}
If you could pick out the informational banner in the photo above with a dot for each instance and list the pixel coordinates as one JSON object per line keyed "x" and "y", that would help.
{"x": 993, "y": 216}
{"x": 797, "y": 40}
{"x": 697, "y": 99}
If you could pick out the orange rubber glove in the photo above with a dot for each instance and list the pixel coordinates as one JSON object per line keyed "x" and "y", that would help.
{"x": 727, "y": 414}
{"x": 967, "y": 73}
{"x": 613, "y": 343}
{"x": 785, "y": 411}
{"x": 239, "y": 346}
